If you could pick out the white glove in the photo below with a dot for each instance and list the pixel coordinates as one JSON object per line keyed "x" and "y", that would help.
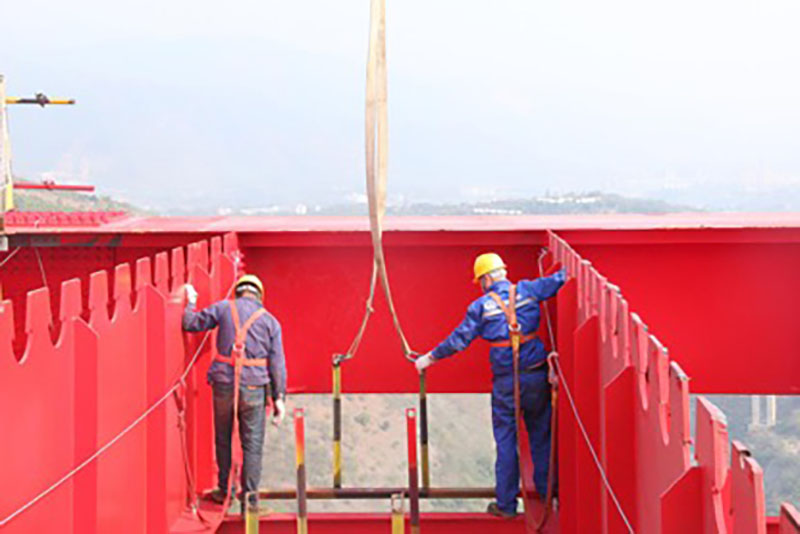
{"x": 278, "y": 411}
{"x": 191, "y": 294}
{"x": 424, "y": 362}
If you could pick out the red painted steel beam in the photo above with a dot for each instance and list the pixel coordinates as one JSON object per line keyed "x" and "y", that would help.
{"x": 49, "y": 186}
{"x": 433, "y": 523}
{"x": 330, "y": 285}
{"x": 716, "y": 302}
{"x": 377, "y": 493}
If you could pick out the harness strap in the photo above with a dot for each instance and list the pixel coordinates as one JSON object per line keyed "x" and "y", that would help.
{"x": 243, "y": 362}
{"x": 237, "y": 357}
{"x": 238, "y": 360}
{"x": 514, "y": 340}
{"x": 507, "y": 342}
{"x": 241, "y": 331}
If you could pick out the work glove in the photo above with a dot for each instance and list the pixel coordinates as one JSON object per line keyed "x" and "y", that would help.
{"x": 191, "y": 294}
{"x": 424, "y": 362}
{"x": 552, "y": 377}
{"x": 278, "y": 411}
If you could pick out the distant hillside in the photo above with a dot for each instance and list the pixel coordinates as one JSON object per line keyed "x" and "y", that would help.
{"x": 572, "y": 203}
{"x": 594, "y": 202}
{"x": 46, "y": 200}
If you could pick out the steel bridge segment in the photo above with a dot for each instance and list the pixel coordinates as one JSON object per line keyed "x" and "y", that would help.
{"x": 626, "y": 368}
{"x": 617, "y": 362}
{"x": 69, "y": 395}
{"x": 713, "y": 302}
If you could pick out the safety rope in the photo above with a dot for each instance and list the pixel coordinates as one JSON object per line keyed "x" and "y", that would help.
{"x": 41, "y": 266}
{"x": 553, "y": 460}
{"x": 548, "y": 321}
{"x": 77, "y": 469}
{"x": 514, "y": 336}
{"x": 180, "y": 404}
{"x": 10, "y": 255}
{"x": 563, "y": 383}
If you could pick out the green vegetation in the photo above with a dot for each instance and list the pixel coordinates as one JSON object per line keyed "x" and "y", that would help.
{"x": 374, "y": 448}
{"x": 45, "y": 200}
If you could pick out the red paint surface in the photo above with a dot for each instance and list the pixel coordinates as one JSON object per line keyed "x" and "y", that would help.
{"x": 113, "y": 357}
{"x": 115, "y": 345}
{"x": 716, "y": 302}
{"x": 444, "y": 523}
{"x": 54, "y": 187}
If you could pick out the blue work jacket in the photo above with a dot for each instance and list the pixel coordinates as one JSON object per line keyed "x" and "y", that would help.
{"x": 264, "y": 340}
{"x": 487, "y": 320}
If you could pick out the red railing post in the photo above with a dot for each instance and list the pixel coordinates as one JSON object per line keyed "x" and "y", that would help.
{"x": 413, "y": 471}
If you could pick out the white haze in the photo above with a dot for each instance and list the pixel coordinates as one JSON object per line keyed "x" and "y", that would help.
{"x": 249, "y": 103}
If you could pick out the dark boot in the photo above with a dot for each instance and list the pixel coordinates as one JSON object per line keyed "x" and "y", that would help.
{"x": 497, "y": 512}
{"x": 254, "y": 505}
{"x": 217, "y": 496}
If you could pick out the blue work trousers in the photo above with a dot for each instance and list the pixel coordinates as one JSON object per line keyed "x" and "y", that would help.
{"x": 252, "y": 420}
{"x": 536, "y": 411}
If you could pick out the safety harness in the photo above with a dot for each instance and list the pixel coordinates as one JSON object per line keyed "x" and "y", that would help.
{"x": 238, "y": 360}
{"x": 515, "y": 337}
{"x": 515, "y": 341}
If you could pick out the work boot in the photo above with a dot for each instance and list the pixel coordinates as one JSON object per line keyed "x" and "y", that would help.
{"x": 217, "y": 495}
{"x": 497, "y": 512}
{"x": 255, "y": 504}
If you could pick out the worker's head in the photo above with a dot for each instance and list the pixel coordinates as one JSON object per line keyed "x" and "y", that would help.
{"x": 488, "y": 269}
{"x": 250, "y": 286}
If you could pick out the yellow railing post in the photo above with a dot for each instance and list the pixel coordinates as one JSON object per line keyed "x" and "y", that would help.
{"x": 398, "y": 514}
{"x": 251, "y": 509}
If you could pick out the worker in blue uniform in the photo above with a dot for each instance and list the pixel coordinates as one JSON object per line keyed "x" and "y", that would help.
{"x": 242, "y": 320}
{"x": 486, "y": 318}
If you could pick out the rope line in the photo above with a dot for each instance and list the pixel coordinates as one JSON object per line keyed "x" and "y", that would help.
{"x": 113, "y": 440}
{"x": 542, "y": 254}
{"x": 11, "y": 255}
{"x": 41, "y": 266}
{"x": 563, "y": 383}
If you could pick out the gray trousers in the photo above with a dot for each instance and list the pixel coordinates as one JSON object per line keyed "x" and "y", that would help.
{"x": 252, "y": 420}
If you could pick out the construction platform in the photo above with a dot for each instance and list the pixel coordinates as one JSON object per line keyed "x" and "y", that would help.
{"x": 98, "y": 427}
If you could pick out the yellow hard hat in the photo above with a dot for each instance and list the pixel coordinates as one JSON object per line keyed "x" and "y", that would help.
{"x": 252, "y": 280}
{"x": 486, "y": 263}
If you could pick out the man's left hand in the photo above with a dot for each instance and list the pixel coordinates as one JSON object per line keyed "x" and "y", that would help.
{"x": 191, "y": 294}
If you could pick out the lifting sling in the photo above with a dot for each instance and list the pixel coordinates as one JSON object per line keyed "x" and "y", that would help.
{"x": 377, "y": 157}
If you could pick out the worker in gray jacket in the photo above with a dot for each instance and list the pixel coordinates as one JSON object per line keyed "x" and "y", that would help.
{"x": 247, "y": 331}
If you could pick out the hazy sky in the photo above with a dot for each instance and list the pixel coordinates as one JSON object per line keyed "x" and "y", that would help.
{"x": 254, "y": 102}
